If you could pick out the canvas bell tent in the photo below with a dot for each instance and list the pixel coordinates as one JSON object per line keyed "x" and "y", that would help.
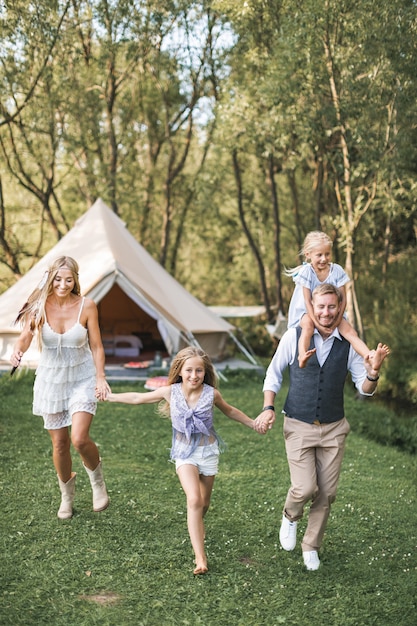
{"x": 136, "y": 297}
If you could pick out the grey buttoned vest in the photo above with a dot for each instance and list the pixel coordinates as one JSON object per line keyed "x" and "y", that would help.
{"x": 316, "y": 393}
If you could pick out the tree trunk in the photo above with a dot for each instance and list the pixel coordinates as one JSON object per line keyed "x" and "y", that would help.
{"x": 252, "y": 245}
{"x": 277, "y": 231}
{"x": 296, "y": 208}
{"x": 9, "y": 255}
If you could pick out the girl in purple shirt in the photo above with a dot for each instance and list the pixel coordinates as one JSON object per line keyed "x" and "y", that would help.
{"x": 189, "y": 399}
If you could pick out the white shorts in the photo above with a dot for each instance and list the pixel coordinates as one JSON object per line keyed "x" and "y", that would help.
{"x": 208, "y": 465}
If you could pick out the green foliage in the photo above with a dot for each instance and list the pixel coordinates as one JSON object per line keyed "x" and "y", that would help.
{"x": 389, "y": 311}
{"x": 132, "y": 564}
{"x": 384, "y": 425}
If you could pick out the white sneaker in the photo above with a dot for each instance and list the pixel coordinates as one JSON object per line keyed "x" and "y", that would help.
{"x": 311, "y": 560}
{"x": 288, "y": 534}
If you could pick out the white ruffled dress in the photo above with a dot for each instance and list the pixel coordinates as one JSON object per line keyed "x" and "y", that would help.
{"x": 66, "y": 376}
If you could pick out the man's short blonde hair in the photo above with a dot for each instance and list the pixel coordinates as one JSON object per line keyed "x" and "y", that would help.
{"x": 328, "y": 289}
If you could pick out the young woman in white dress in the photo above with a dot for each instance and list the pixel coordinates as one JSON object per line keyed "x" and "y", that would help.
{"x": 70, "y": 374}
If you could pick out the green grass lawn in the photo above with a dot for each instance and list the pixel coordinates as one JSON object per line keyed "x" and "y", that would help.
{"x": 132, "y": 564}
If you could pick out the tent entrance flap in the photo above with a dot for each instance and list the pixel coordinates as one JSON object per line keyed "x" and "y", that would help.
{"x": 175, "y": 337}
{"x": 124, "y": 311}
{"x": 168, "y": 332}
{"x": 120, "y": 315}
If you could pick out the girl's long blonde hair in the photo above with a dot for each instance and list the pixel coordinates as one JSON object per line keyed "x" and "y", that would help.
{"x": 174, "y": 375}
{"x": 314, "y": 239}
{"x": 34, "y": 307}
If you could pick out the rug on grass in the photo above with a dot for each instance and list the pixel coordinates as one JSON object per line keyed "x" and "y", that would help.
{"x": 155, "y": 382}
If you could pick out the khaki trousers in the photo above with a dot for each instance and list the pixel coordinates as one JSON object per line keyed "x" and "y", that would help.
{"x": 314, "y": 454}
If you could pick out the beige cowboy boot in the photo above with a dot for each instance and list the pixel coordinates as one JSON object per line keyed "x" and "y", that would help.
{"x": 68, "y": 493}
{"x": 100, "y": 497}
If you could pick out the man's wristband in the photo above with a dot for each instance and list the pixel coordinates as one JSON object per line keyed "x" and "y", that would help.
{"x": 373, "y": 380}
{"x": 269, "y": 407}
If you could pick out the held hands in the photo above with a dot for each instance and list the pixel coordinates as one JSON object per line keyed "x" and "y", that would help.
{"x": 264, "y": 421}
{"x": 102, "y": 388}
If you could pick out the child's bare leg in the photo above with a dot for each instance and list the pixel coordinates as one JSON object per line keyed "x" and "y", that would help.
{"x": 190, "y": 481}
{"x": 206, "y": 487}
{"x": 349, "y": 333}
{"x": 307, "y": 330}
{"x": 379, "y": 355}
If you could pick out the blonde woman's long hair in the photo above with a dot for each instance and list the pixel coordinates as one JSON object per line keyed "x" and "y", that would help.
{"x": 34, "y": 307}
{"x": 174, "y": 375}
{"x": 314, "y": 239}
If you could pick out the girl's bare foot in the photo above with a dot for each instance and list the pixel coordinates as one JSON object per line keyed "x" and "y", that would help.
{"x": 200, "y": 569}
{"x": 379, "y": 355}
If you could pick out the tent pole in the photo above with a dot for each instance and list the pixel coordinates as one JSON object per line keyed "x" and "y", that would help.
{"x": 244, "y": 350}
